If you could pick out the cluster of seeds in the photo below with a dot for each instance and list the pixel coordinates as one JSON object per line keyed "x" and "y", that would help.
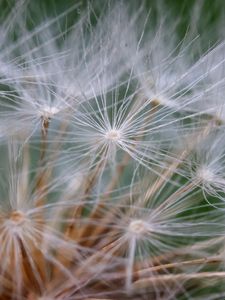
{"x": 112, "y": 144}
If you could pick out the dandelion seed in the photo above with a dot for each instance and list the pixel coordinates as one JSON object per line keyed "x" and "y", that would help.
{"x": 44, "y": 86}
{"x": 125, "y": 197}
{"x": 205, "y": 164}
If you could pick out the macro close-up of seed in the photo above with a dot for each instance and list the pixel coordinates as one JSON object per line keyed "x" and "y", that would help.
{"x": 112, "y": 150}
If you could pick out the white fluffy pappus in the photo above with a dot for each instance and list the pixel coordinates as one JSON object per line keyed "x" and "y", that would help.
{"x": 205, "y": 166}
{"x": 117, "y": 190}
{"x": 106, "y": 128}
{"x": 30, "y": 233}
{"x": 170, "y": 76}
{"x": 148, "y": 225}
{"x": 59, "y": 68}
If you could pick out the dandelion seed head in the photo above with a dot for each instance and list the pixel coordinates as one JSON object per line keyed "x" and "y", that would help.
{"x": 100, "y": 196}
